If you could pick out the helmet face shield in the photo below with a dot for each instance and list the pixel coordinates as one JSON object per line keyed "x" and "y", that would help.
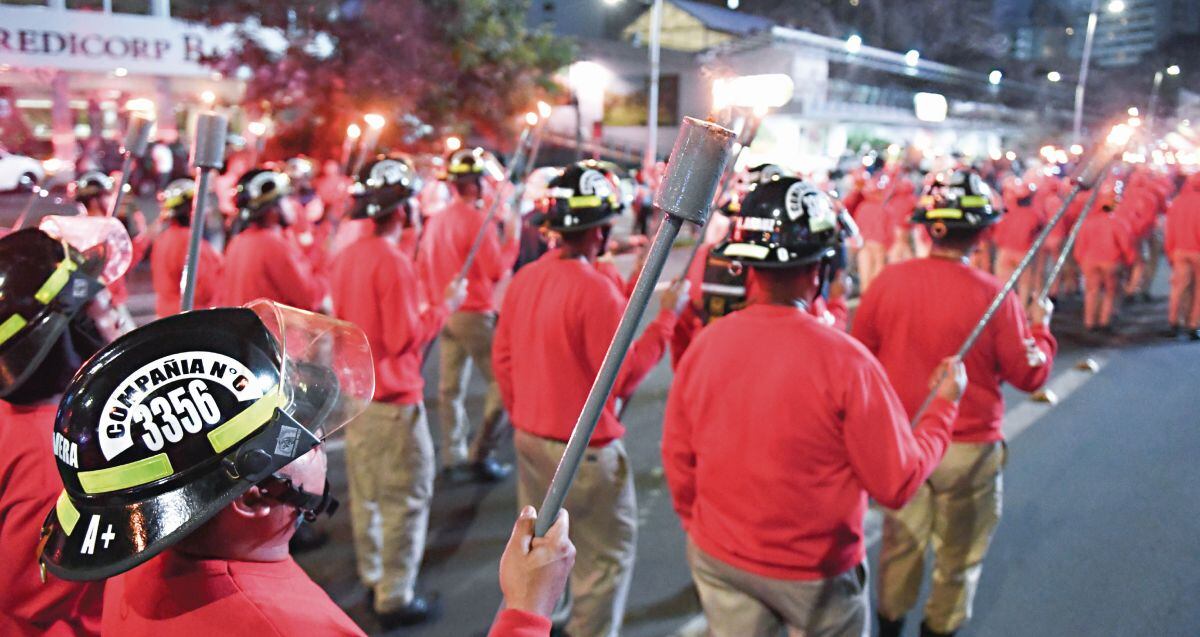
{"x": 172, "y": 422}
{"x": 102, "y": 241}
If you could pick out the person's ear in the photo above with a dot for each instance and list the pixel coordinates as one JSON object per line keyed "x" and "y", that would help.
{"x": 252, "y": 504}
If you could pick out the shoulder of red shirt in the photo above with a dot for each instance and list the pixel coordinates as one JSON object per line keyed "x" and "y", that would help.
{"x": 518, "y": 623}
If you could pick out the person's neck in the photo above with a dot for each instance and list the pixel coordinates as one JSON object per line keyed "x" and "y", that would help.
{"x": 797, "y": 299}
{"x": 571, "y": 254}
{"x": 949, "y": 254}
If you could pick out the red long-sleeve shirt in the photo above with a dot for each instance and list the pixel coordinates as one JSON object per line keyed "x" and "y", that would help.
{"x": 1018, "y": 228}
{"x": 1183, "y": 220}
{"x": 558, "y": 318}
{"x": 1104, "y": 238}
{"x": 182, "y": 596}
{"x": 518, "y": 623}
{"x": 777, "y": 429}
{"x": 376, "y": 288}
{"x": 29, "y": 487}
{"x": 444, "y": 246}
{"x": 920, "y": 311}
{"x": 167, "y": 261}
{"x": 261, "y": 263}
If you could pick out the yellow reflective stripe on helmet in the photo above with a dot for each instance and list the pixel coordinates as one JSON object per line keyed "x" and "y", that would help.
{"x": 245, "y": 423}
{"x": 135, "y": 473}
{"x": 11, "y": 326}
{"x": 973, "y": 201}
{"x": 944, "y": 213}
{"x": 585, "y": 201}
{"x": 460, "y": 169}
{"x": 57, "y": 281}
{"x": 746, "y": 250}
{"x": 67, "y": 514}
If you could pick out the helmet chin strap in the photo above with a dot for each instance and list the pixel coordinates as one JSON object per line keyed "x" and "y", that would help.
{"x": 310, "y": 505}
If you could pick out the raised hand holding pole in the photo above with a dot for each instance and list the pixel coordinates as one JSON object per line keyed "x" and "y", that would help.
{"x": 208, "y": 153}
{"x": 137, "y": 138}
{"x": 697, "y": 162}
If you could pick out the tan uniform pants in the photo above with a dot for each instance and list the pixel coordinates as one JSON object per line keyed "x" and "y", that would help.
{"x": 871, "y": 258}
{"x": 467, "y": 338}
{"x": 1185, "y": 286}
{"x": 1100, "y": 283}
{"x": 603, "y": 512}
{"x": 741, "y": 604}
{"x": 956, "y": 510}
{"x": 389, "y": 461}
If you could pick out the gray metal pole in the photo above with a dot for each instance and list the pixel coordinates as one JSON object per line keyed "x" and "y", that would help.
{"x": 137, "y": 138}
{"x": 698, "y": 160}
{"x": 208, "y": 153}
{"x": 1088, "y": 177}
{"x": 1084, "y": 64}
{"x": 1052, "y": 275}
{"x": 510, "y": 175}
{"x": 1152, "y": 108}
{"x": 651, "y": 155}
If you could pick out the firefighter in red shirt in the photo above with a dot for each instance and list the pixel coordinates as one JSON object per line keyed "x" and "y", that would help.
{"x": 1182, "y": 246}
{"x": 49, "y": 305}
{"x": 772, "y": 493}
{"x": 556, "y": 323}
{"x": 260, "y": 261}
{"x": 1103, "y": 247}
{"x": 467, "y": 335}
{"x": 906, "y": 322}
{"x": 389, "y": 452}
{"x": 189, "y": 453}
{"x": 1016, "y": 232}
{"x": 872, "y": 218}
{"x": 170, "y": 253}
{"x": 94, "y": 192}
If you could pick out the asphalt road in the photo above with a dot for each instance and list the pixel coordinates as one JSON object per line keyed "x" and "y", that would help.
{"x": 1100, "y": 527}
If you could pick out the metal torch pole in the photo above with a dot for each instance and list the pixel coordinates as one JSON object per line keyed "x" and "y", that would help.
{"x": 208, "y": 153}
{"x": 698, "y": 159}
{"x": 137, "y": 137}
{"x": 1069, "y": 243}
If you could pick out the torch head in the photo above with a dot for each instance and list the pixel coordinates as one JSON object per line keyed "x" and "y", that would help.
{"x": 697, "y": 163}
{"x": 208, "y": 147}
{"x": 137, "y": 137}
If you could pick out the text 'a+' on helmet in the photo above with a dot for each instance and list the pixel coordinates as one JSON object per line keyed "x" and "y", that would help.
{"x": 956, "y": 200}
{"x": 584, "y": 196}
{"x": 90, "y": 185}
{"x": 258, "y": 189}
{"x": 176, "y": 199}
{"x": 383, "y": 186}
{"x": 170, "y": 423}
{"x": 47, "y": 276}
{"x": 782, "y": 223}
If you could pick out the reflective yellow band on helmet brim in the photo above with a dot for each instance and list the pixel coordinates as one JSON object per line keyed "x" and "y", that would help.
{"x": 973, "y": 201}
{"x": 584, "y": 201}
{"x": 462, "y": 170}
{"x": 173, "y": 202}
{"x": 246, "y": 422}
{"x": 68, "y": 515}
{"x": 124, "y": 476}
{"x": 56, "y": 282}
{"x": 944, "y": 213}
{"x": 746, "y": 251}
{"x": 11, "y": 326}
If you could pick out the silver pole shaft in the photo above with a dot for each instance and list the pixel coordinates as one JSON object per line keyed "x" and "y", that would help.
{"x": 996, "y": 302}
{"x": 34, "y": 195}
{"x": 1084, "y": 64}
{"x": 188, "y": 299}
{"x": 126, "y": 166}
{"x": 491, "y": 213}
{"x": 651, "y": 155}
{"x": 593, "y": 407}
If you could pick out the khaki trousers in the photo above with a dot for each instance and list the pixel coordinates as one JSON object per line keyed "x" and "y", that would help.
{"x": 871, "y": 258}
{"x": 389, "y": 461}
{"x": 1185, "y": 275}
{"x": 467, "y": 338}
{"x": 1100, "y": 283}
{"x": 956, "y": 510}
{"x": 741, "y": 604}
{"x": 603, "y": 512}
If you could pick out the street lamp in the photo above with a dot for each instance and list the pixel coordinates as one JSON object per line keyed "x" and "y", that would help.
{"x": 995, "y": 76}
{"x": 1152, "y": 109}
{"x": 1114, "y": 6}
{"x": 854, "y": 43}
{"x": 1054, "y": 76}
{"x": 912, "y": 57}
{"x": 1173, "y": 69}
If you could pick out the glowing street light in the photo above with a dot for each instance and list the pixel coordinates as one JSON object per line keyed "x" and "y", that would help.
{"x": 453, "y": 143}
{"x": 208, "y": 97}
{"x": 1133, "y": 111}
{"x": 120, "y": 71}
{"x": 772, "y": 90}
{"x": 1173, "y": 69}
{"x": 1076, "y": 149}
{"x": 995, "y": 76}
{"x": 912, "y": 58}
{"x": 1116, "y": 6}
{"x": 854, "y": 43}
{"x": 1054, "y": 76}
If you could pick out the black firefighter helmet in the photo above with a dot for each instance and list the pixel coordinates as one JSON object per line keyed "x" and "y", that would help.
{"x": 584, "y": 196}
{"x": 782, "y": 223}
{"x": 257, "y": 190}
{"x": 170, "y": 423}
{"x": 176, "y": 200}
{"x": 90, "y": 185}
{"x": 384, "y": 186}
{"x": 957, "y": 200}
{"x": 48, "y": 275}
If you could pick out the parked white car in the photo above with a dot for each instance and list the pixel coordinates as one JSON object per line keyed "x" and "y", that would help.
{"x": 13, "y": 168}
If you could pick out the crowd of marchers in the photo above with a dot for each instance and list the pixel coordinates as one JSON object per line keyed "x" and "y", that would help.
{"x": 185, "y": 461}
